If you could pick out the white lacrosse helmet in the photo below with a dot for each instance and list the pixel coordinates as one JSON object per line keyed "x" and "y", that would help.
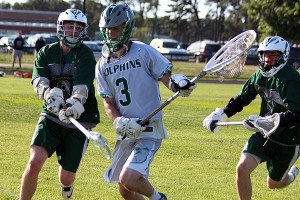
{"x": 73, "y": 39}
{"x": 115, "y": 15}
{"x": 274, "y": 43}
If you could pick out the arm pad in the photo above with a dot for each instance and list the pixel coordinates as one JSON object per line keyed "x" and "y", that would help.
{"x": 234, "y": 105}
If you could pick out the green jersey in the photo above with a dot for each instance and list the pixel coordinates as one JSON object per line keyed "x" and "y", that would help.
{"x": 280, "y": 94}
{"x": 64, "y": 71}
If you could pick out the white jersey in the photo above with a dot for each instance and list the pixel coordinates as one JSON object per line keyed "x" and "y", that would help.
{"x": 132, "y": 81}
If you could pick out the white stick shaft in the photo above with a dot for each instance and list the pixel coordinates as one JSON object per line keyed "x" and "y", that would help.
{"x": 228, "y": 123}
{"x": 80, "y": 127}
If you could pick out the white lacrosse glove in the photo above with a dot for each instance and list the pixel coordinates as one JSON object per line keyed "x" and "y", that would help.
{"x": 128, "y": 127}
{"x": 179, "y": 82}
{"x": 74, "y": 109}
{"x": 267, "y": 125}
{"x": 54, "y": 100}
{"x": 249, "y": 123}
{"x": 217, "y": 116}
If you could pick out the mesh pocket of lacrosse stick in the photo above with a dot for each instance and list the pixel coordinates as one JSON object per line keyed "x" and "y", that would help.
{"x": 267, "y": 125}
{"x": 229, "y": 61}
{"x": 101, "y": 143}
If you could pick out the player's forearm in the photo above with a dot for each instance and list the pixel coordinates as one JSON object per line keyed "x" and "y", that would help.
{"x": 110, "y": 109}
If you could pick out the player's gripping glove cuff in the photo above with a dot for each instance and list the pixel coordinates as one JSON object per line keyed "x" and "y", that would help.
{"x": 217, "y": 116}
{"x": 54, "y": 100}
{"x": 74, "y": 109}
{"x": 128, "y": 127}
{"x": 179, "y": 82}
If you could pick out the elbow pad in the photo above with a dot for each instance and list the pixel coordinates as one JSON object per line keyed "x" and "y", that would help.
{"x": 40, "y": 85}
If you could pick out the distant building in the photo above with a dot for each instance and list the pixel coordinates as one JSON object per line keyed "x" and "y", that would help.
{"x": 27, "y": 21}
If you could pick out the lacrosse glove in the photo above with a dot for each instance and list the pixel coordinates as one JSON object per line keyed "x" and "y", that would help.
{"x": 249, "y": 123}
{"x": 54, "y": 100}
{"x": 74, "y": 109}
{"x": 128, "y": 127}
{"x": 210, "y": 121}
{"x": 180, "y": 83}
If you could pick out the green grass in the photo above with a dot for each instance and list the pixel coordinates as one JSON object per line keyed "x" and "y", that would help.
{"x": 192, "y": 164}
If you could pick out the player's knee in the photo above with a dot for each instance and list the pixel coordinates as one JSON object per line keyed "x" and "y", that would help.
{"x": 276, "y": 184}
{"x": 241, "y": 170}
{"x": 124, "y": 192}
{"x": 34, "y": 166}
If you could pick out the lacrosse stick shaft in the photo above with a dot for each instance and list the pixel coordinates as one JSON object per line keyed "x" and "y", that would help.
{"x": 228, "y": 123}
{"x": 168, "y": 101}
{"x": 80, "y": 127}
{"x": 231, "y": 56}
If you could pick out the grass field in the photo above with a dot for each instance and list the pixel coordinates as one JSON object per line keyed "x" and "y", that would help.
{"x": 192, "y": 164}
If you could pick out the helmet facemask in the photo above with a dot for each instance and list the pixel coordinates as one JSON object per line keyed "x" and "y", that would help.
{"x": 72, "y": 27}
{"x": 269, "y": 63}
{"x": 116, "y": 43}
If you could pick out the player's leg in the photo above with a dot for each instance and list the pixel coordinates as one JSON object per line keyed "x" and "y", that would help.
{"x": 134, "y": 176}
{"x": 67, "y": 182}
{"x": 70, "y": 153}
{"x": 245, "y": 167}
{"x": 38, "y": 156}
{"x": 20, "y": 53}
{"x": 281, "y": 169}
{"x": 14, "y": 55}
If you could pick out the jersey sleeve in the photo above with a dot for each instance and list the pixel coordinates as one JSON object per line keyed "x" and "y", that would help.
{"x": 158, "y": 65}
{"x": 102, "y": 86}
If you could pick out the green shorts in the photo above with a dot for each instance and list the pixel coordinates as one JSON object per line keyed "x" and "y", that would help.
{"x": 279, "y": 158}
{"x": 69, "y": 144}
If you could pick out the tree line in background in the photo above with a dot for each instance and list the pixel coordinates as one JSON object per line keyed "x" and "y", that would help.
{"x": 224, "y": 19}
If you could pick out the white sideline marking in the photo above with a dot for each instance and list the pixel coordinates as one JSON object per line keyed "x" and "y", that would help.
{"x": 8, "y": 192}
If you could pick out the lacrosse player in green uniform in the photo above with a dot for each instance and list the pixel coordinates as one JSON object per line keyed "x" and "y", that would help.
{"x": 127, "y": 80}
{"x": 277, "y": 127}
{"x": 63, "y": 77}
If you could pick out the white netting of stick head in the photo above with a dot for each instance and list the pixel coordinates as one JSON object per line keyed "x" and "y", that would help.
{"x": 236, "y": 53}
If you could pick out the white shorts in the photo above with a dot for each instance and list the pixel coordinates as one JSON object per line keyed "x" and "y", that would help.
{"x": 133, "y": 154}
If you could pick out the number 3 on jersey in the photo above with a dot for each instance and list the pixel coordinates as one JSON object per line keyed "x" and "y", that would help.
{"x": 124, "y": 91}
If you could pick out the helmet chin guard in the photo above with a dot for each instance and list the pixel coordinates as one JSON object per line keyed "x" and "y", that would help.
{"x": 274, "y": 43}
{"x": 72, "y": 38}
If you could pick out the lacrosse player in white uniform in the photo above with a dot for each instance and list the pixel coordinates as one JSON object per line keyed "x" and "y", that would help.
{"x": 277, "y": 127}
{"x": 127, "y": 80}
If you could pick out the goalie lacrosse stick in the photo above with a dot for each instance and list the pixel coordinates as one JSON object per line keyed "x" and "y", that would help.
{"x": 96, "y": 138}
{"x": 228, "y": 62}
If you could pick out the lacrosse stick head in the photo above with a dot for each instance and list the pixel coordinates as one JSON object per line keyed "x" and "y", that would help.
{"x": 101, "y": 143}
{"x": 267, "y": 125}
{"x": 229, "y": 61}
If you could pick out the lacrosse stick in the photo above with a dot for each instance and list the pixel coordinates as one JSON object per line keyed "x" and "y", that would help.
{"x": 266, "y": 125}
{"x": 96, "y": 138}
{"x": 228, "y": 62}
{"x": 228, "y": 123}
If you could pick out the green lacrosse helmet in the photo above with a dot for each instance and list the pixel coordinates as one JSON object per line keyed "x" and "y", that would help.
{"x": 115, "y": 15}
{"x": 71, "y": 40}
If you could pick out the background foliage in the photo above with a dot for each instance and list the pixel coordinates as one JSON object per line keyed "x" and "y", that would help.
{"x": 224, "y": 19}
